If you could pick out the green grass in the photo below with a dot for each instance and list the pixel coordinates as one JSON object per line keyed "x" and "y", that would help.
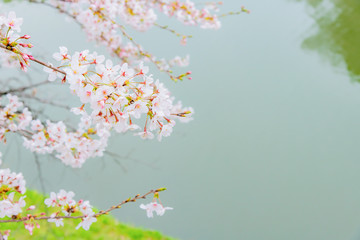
{"x": 106, "y": 227}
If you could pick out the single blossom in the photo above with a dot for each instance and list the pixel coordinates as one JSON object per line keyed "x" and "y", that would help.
{"x": 86, "y": 222}
{"x": 58, "y": 221}
{"x": 154, "y": 207}
{"x": 12, "y": 22}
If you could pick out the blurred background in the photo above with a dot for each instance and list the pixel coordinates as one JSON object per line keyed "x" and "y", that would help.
{"x": 273, "y": 152}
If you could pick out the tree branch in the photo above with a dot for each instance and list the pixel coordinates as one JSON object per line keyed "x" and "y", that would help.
{"x": 100, "y": 213}
{"x": 38, "y": 61}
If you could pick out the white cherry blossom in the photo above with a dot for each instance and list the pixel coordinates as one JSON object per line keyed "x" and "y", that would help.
{"x": 12, "y": 22}
{"x": 154, "y": 207}
{"x": 58, "y": 221}
{"x": 86, "y": 222}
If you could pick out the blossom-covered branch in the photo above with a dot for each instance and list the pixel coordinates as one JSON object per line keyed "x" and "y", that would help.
{"x": 98, "y": 19}
{"x": 61, "y": 205}
{"x": 23, "y": 57}
{"x": 63, "y": 194}
{"x": 113, "y": 98}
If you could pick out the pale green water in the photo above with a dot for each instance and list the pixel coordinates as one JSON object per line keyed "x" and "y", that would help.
{"x": 273, "y": 152}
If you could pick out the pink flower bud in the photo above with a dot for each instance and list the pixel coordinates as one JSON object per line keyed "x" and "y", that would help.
{"x": 22, "y": 66}
{"x": 25, "y": 36}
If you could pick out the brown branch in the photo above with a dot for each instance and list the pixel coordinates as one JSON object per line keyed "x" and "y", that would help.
{"x": 48, "y": 66}
{"x": 100, "y": 213}
{"x": 45, "y": 101}
{"x": 38, "y": 61}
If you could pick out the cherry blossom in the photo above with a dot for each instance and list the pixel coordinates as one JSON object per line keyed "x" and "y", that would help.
{"x": 52, "y": 201}
{"x": 30, "y": 226}
{"x": 86, "y": 222}
{"x": 58, "y": 221}
{"x": 154, "y": 207}
{"x": 14, "y": 181}
{"x": 11, "y": 21}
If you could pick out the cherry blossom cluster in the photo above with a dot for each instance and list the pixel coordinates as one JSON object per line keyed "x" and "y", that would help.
{"x": 187, "y": 13}
{"x": 12, "y": 186}
{"x": 140, "y": 14}
{"x": 10, "y": 40}
{"x": 73, "y": 148}
{"x": 99, "y": 21}
{"x": 67, "y": 206}
{"x": 13, "y": 116}
{"x": 118, "y": 95}
{"x": 12, "y": 204}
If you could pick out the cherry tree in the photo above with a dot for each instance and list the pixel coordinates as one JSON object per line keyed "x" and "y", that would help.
{"x": 115, "y": 97}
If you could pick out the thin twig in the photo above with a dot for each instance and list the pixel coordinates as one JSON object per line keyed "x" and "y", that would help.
{"x": 44, "y": 101}
{"x": 172, "y": 31}
{"x": 21, "y": 89}
{"x": 41, "y": 178}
